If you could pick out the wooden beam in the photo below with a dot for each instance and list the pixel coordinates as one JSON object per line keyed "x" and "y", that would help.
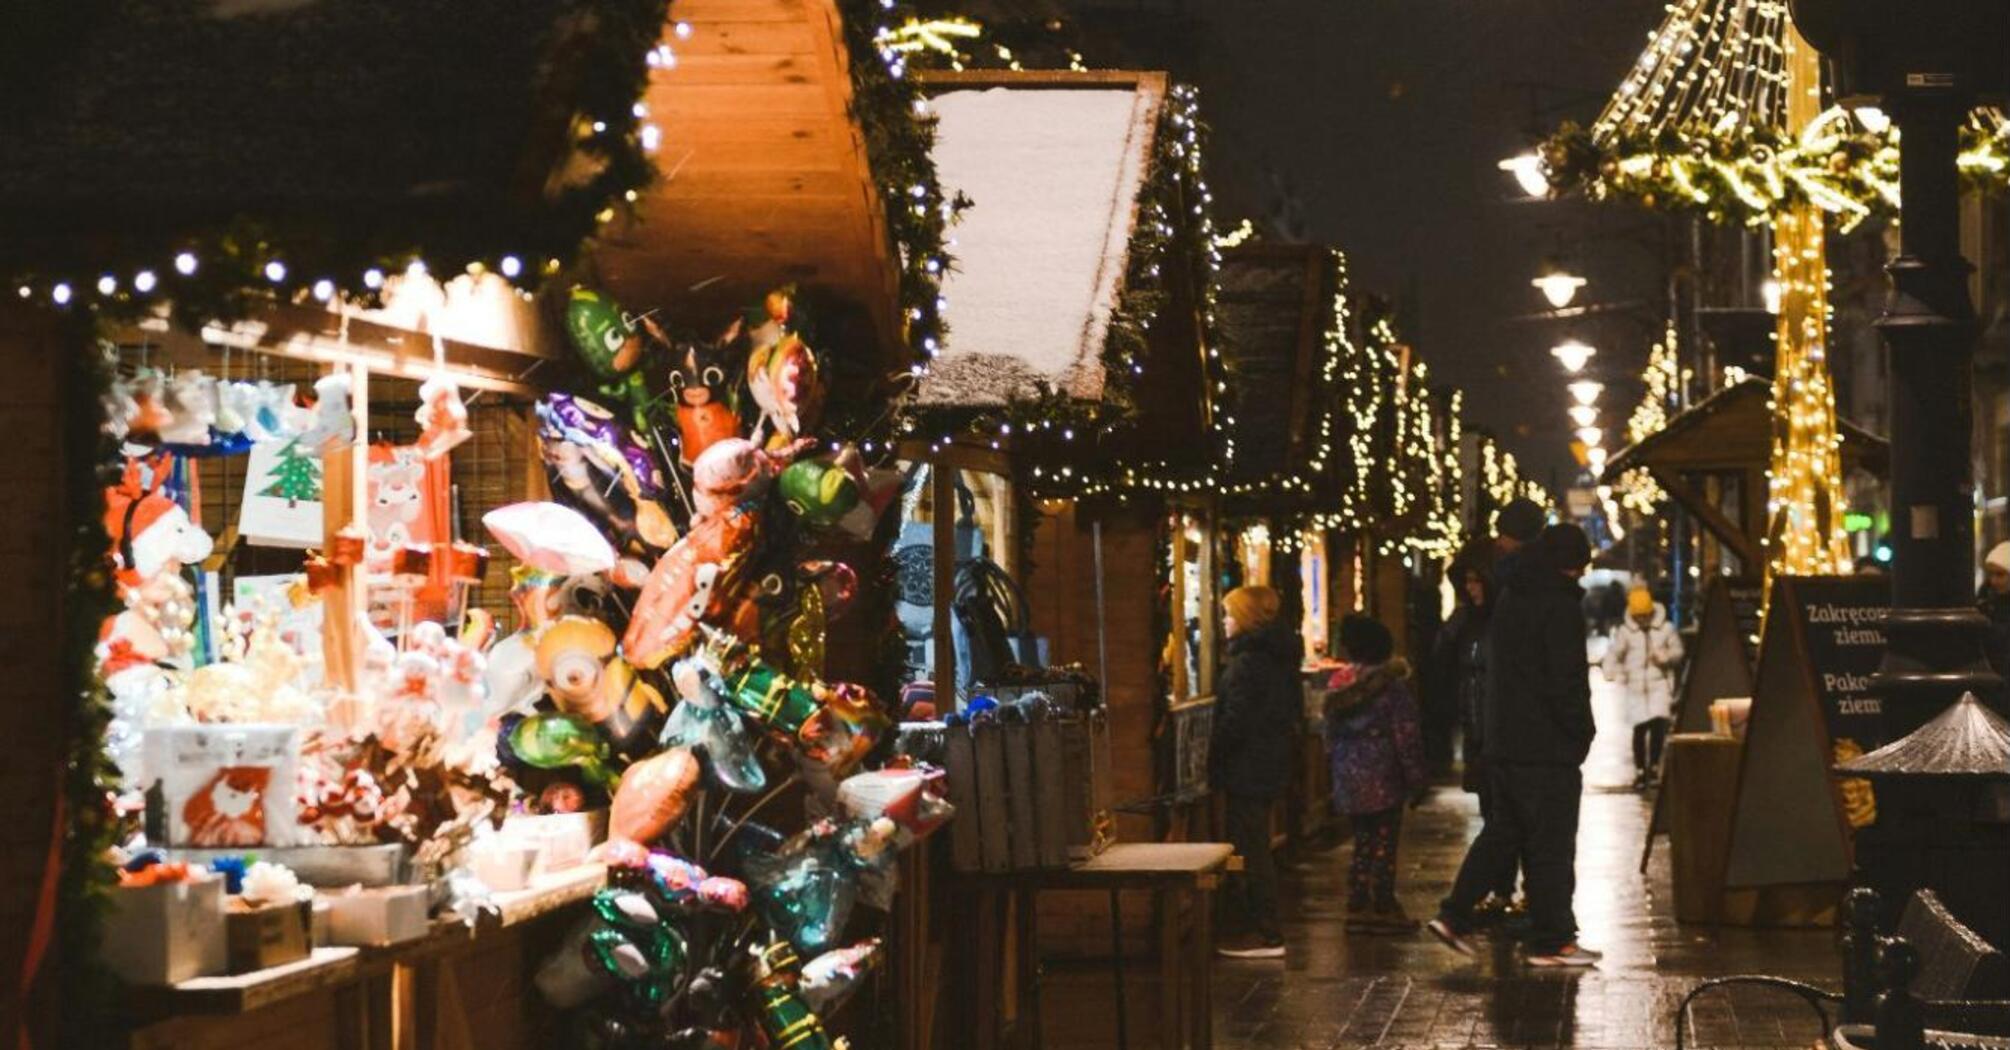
{"x": 1712, "y": 518}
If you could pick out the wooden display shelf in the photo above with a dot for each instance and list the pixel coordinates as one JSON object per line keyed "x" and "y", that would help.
{"x": 241, "y": 993}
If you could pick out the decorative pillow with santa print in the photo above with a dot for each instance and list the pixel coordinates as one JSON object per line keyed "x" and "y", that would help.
{"x": 227, "y": 786}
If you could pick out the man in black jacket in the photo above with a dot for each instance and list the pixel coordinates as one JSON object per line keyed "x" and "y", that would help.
{"x": 1538, "y": 730}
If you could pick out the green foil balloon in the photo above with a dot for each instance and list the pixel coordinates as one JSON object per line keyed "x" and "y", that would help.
{"x": 558, "y": 741}
{"x": 785, "y": 1018}
{"x": 818, "y": 492}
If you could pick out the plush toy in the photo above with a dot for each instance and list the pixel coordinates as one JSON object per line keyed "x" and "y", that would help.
{"x": 442, "y": 417}
{"x": 653, "y": 796}
{"x": 191, "y": 401}
{"x": 704, "y": 416}
{"x": 611, "y": 343}
{"x": 334, "y": 423}
{"x": 151, "y": 534}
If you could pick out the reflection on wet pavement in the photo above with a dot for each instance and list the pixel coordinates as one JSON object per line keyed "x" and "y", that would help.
{"x": 1341, "y": 990}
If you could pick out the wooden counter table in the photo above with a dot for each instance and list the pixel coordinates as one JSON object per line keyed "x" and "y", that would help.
{"x": 1181, "y": 876}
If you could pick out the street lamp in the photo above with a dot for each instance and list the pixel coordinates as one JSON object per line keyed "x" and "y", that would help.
{"x": 1925, "y": 64}
{"x": 1585, "y": 391}
{"x": 1573, "y": 354}
{"x": 1527, "y": 171}
{"x": 1583, "y": 415}
{"x": 1559, "y": 287}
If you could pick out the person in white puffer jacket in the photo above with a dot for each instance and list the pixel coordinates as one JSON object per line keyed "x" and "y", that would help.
{"x": 1643, "y": 659}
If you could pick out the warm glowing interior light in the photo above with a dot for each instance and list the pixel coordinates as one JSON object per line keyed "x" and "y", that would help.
{"x": 1591, "y": 436}
{"x": 1583, "y": 415}
{"x": 1586, "y": 391}
{"x": 1770, "y": 292}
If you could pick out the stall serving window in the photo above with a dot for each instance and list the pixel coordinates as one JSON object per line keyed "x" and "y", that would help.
{"x": 981, "y": 610}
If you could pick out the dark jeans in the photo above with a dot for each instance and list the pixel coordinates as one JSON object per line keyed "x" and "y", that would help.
{"x": 1534, "y": 817}
{"x": 1256, "y": 892}
{"x": 1648, "y": 737}
{"x": 1510, "y": 874}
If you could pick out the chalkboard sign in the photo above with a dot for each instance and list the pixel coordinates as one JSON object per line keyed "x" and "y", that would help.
{"x": 1844, "y": 617}
{"x": 1811, "y": 707}
{"x": 1193, "y": 725}
{"x": 1720, "y": 658}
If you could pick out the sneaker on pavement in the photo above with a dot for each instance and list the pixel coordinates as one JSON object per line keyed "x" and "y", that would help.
{"x": 1450, "y": 936}
{"x": 1251, "y": 947}
{"x": 1570, "y": 955}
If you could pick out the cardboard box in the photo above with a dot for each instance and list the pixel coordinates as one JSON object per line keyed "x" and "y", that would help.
{"x": 377, "y": 916}
{"x": 258, "y": 937}
{"x": 561, "y": 839}
{"x": 165, "y": 934}
{"x": 504, "y": 864}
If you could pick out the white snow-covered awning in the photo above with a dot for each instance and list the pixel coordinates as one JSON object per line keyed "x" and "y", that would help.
{"x": 1052, "y": 163}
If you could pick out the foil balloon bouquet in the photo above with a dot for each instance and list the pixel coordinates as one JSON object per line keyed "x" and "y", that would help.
{"x": 673, "y": 604}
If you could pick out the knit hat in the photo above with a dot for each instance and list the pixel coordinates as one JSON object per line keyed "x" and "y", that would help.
{"x": 1252, "y": 607}
{"x": 1999, "y": 556}
{"x": 1639, "y": 602}
{"x": 1565, "y": 547}
{"x": 1366, "y": 640}
{"x": 1521, "y": 520}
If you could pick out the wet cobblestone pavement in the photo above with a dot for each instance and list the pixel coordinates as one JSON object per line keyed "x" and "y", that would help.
{"x": 1349, "y": 990}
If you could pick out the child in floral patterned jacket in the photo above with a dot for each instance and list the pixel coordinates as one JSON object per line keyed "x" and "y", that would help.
{"x": 1376, "y": 746}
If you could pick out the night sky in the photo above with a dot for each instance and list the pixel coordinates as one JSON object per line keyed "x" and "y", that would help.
{"x": 1384, "y": 120}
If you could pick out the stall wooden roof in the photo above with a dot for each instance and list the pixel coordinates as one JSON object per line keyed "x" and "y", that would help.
{"x": 763, "y": 175}
{"x": 1732, "y": 430}
{"x": 1041, "y": 252}
{"x": 1275, "y": 305}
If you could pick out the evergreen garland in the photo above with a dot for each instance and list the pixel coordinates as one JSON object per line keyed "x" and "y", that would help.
{"x": 89, "y": 827}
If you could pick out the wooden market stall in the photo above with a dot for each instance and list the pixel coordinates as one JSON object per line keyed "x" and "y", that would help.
{"x": 1071, "y": 416}
{"x": 278, "y": 194}
{"x": 1282, "y": 310}
{"x": 1712, "y": 459}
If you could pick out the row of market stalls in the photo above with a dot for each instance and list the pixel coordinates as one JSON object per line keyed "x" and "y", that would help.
{"x": 517, "y": 551}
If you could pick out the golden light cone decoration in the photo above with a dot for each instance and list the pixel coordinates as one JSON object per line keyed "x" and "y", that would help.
{"x": 1805, "y": 501}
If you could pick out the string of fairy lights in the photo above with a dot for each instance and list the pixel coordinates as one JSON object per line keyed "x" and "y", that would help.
{"x": 218, "y": 272}
{"x": 1663, "y": 378}
{"x": 1723, "y": 114}
{"x": 1700, "y": 123}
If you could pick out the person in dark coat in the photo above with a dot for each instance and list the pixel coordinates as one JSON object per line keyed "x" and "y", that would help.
{"x": 1538, "y": 729}
{"x": 1258, "y": 704}
{"x": 1461, "y": 657}
{"x": 1374, "y": 742}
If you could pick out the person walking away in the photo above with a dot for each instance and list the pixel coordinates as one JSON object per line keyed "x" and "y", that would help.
{"x": 1994, "y": 601}
{"x": 1642, "y": 660}
{"x": 1257, "y": 708}
{"x": 1538, "y": 729}
{"x": 1375, "y": 743}
{"x": 1461, "y": 660}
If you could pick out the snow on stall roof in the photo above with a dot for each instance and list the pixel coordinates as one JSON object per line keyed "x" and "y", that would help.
{"x": 1053, "y": 176}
